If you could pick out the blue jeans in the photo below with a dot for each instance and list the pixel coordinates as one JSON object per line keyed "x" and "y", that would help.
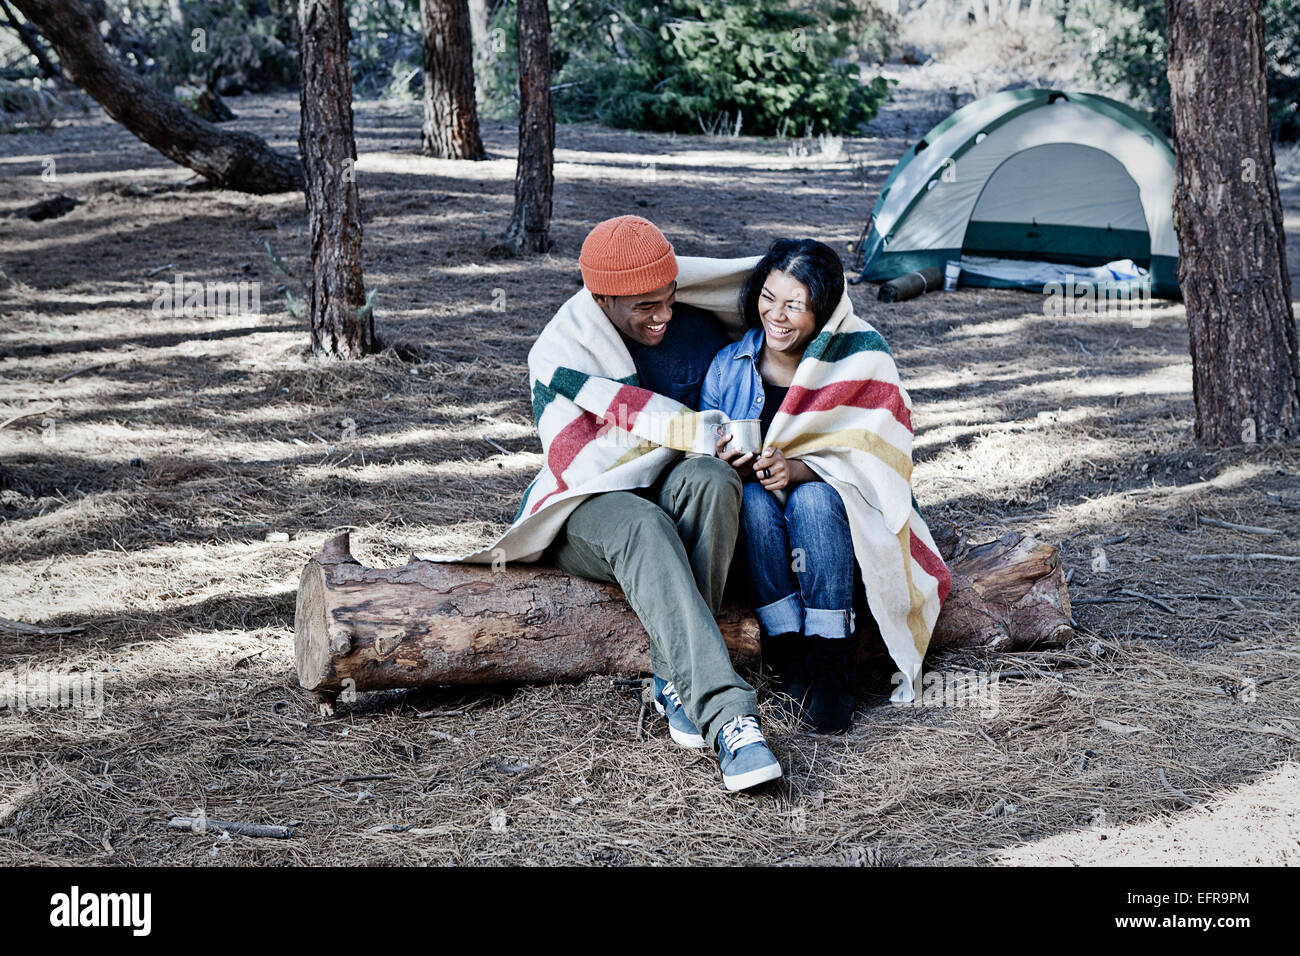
{"x": 799, "y": 559}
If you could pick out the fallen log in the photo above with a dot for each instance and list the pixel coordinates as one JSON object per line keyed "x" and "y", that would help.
{"x": 362, "y": 629}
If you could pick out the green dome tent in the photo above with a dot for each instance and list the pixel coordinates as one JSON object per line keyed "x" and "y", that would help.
{"x": 1030, "y": 176}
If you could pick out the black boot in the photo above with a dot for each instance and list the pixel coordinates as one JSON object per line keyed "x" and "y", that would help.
{"x": 785, "y": 655}
{"x": 832, "y": 663}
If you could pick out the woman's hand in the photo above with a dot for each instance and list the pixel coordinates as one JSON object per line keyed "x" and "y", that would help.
{"x": 774, "y": 471}
{"x": 737, "y": 459}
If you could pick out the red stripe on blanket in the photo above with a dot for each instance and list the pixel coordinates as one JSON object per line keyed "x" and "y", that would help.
{"x": 858, "y": 394}
{"x": 565, "y": 447}
{"x": 932, "y": 564}
{"x": 627, "y": 404}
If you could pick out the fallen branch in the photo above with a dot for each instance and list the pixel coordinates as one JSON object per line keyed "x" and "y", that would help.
{"x": 342, "y": 778}
{"x": 1248, "y": 528}
{"x": 1146, "y": 597}
{"x": 88, "y": 368}
{"x": 35, "y": 411}
{"x": 204, "y": 825}
{"x": 1253, "y": 556}
{"x": 1174, "y": 790}
{"x": 21, "y": 627}
{"x": 1187, "y": 597}
{"x": 1224, "y": 597}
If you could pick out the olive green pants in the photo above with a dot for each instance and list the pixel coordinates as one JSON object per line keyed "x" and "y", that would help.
{"x": 669, "y": 548}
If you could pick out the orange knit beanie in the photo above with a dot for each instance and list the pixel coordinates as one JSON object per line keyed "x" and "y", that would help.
{"x": 626, "y": 255}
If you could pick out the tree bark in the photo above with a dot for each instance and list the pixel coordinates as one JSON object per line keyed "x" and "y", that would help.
{"x": 450, "y": 112}
{"x": 1232, "y": 257}
{"x": 360, "y": 629}
{"x": 530, "y": 224}
{"x": 342, "y": 324}
{"x": 233, "y": 160}
{"x": 478, "y": 38}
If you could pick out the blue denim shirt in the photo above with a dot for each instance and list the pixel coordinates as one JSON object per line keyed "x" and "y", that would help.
{"x": 733, "y": 384}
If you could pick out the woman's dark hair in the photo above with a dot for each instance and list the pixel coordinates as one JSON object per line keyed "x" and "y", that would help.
{"x": 813, "y": 263}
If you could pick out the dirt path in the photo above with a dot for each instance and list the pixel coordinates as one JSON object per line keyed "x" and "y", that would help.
{"x": 143, "y": 495}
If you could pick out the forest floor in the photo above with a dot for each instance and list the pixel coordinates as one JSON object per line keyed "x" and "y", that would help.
{"x": 163, "y": 479}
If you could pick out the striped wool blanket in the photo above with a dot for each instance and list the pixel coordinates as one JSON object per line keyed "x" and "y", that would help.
{"x": 846, "y": 415}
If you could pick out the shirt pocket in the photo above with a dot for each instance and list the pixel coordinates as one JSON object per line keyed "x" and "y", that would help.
{"x": 688, "y": 393}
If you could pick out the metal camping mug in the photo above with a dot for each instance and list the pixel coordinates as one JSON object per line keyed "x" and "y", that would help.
{"x": 746, "y": 434}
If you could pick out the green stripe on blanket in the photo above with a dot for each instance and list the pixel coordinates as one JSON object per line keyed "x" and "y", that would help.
{"x": 568, "y": 383}
{"x": 834, "y": 347}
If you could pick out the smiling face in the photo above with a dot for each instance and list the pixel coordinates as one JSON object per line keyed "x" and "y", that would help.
{"x": 784, "y": 307}
{"x": 642, "y": 318}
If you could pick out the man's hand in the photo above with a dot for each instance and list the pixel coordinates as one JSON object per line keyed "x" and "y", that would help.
{"x": 742, "y": 461}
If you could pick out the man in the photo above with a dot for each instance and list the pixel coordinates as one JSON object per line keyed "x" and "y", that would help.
{"x": 669, "y": 545}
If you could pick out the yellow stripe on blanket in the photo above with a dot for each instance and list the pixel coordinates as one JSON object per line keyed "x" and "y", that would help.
{"x": 680, "y": 430}
{"x": 634, "y": 453}
{"x": 856, "y": 438}
{"x": 916, "y": 615}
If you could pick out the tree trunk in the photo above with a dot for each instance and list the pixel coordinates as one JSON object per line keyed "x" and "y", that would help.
{"x": 342, "y": 325}
{"x": 234, "y": 160}
{"x": 530, "y": 224}
{"x": 478, "y": 38}
{"x": 1232, "y": 258}
{"x": 359, "y": 629}
{"x": 450, "y": 113}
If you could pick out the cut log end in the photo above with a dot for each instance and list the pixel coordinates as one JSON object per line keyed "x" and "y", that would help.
{"x": 311, "y": 644}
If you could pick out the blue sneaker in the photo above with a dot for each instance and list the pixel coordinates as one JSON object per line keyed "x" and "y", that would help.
{"x": 669, "y": 705}
{"x": 743, "y": 754}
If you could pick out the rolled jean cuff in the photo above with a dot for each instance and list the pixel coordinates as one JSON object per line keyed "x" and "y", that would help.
{"x": 822, "y": 623}
{"x": 781, "y": 617}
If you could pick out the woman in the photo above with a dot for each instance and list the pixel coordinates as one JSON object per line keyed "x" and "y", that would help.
{"x": 795, "y": 546}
